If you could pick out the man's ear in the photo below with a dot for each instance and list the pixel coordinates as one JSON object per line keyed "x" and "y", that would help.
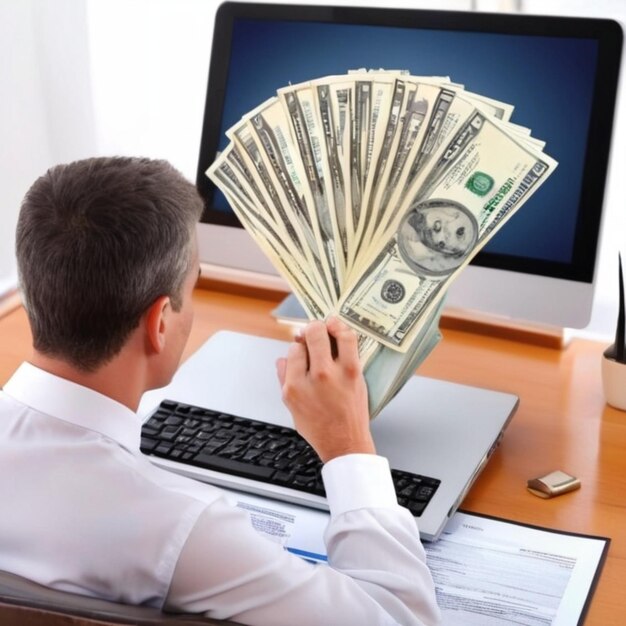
{"x": 157, "y": 319}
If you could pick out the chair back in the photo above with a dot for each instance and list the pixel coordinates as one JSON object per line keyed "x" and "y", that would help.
{"x": 36, "y": 604}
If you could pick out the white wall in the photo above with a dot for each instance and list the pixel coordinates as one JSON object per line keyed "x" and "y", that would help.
{"x": 24, "y": 144}
{"x": 92, "y": 77}
{"x": 46, "y": 113}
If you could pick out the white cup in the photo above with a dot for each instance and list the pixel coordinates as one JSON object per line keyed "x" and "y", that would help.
{"x": 614, "y": 382}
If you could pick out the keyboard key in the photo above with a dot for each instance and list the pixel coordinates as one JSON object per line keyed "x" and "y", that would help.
{"x": 147, "y": 445}
{"x": 174, "y": 420}
{"x": 163, "y": 448}
{"x": 149, "y": 430}
{"x": 214, "y": 462}
{"x": 416, "y": 508}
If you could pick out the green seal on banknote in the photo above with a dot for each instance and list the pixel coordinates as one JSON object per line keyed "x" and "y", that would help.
{"x": 479, "y": 183}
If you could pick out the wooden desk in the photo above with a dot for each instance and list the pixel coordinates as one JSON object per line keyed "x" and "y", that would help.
{"x": 562, "y": 423}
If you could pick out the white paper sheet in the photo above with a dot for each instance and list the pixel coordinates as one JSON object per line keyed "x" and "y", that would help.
{"x": 487, "y": 571}
{"x": 298, "y": 529}
{"x": 490, "y": 571}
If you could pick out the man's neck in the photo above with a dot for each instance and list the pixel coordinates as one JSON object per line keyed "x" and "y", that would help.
{"x": 121, "y": 379}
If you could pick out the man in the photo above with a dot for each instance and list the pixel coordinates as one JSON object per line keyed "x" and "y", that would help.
{"x": 107, "y": 260}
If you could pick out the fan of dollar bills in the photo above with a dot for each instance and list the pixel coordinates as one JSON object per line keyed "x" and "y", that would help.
{"x": 370, "y": 192}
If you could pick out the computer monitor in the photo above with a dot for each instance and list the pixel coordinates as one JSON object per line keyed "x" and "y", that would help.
{"x": 561, "y": 74}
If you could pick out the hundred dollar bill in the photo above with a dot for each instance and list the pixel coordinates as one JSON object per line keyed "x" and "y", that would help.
{"x": 417, "y": 110}
{"x": 301, "y": 109}
{"x": 450, "y": 112}
{"x": 333, "y": 121}
{"x": 359, "y": 133}
{"x": 230, "y": 173}
{"x": 409, "y": 121}
{"x": 268, "y": 124}
{"x": 273, "y": 132}
{"x": 439, "y": 124}
{"x": 353, "y": 211}
{"x": 299, "y": 229}
{"x": 362, "y": 115}
{"x": 290, "y": 266}
{"x": 387, "y": 97}
{"x": 250, "y": 154}
{"x": 422, "y": 124}
{"x": 289, "y": 269}
{"x": 365, "y": 70}
{"x": 501, "y": 110}
{"x": 474, "y": 184}
{"x": 381, "y": 94}
{"x": 341, "y": 97}
{"x": 524, "y": 133}
{"x": 245, "y": 179}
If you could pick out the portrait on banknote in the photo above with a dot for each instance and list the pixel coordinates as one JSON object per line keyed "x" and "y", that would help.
{"x": 435, "y": 236}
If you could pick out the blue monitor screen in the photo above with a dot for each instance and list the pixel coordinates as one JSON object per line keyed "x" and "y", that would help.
{"x": 549, "y": 78}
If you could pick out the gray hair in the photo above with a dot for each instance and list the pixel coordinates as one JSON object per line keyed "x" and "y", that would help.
{"x": 97, "y": 242}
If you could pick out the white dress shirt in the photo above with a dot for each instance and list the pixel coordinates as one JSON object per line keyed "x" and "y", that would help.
{"x": 84, "y": 511}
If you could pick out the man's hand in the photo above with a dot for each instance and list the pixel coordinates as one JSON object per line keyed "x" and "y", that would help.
{"x": 324, "y": 388}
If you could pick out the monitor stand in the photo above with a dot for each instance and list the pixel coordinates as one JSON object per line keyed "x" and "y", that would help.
{"x": 289, "y": 311}
{"x": 490, "y": 325}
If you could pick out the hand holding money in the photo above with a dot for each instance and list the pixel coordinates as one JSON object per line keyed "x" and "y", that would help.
{"x": 370, "y": 192}
{"x": 326, "y": 393}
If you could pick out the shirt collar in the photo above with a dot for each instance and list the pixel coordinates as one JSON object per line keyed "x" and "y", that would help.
{"x": 73, "y": 403}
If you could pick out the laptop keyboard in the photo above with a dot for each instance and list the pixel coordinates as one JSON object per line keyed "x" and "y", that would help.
{"x": 245, "y": 447}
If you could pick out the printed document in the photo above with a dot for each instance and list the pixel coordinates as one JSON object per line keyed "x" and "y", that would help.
{"x": 487, "y": 571}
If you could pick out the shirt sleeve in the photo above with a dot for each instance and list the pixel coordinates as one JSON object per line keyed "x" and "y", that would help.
{"x": 377, "y": 573}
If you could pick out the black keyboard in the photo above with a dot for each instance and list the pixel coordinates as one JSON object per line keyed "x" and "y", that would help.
{"x": 253, "y": 449}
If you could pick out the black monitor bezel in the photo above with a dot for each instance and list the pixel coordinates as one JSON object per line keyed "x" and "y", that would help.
{"x": 607, "y": 32}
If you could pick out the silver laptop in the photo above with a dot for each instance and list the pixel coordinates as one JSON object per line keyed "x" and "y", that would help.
{"x": 433, "y": 428}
